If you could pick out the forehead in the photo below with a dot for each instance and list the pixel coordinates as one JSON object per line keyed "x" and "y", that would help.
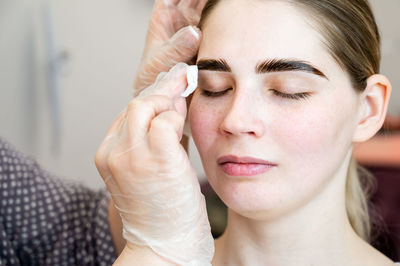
{"x": 245, "y": 32}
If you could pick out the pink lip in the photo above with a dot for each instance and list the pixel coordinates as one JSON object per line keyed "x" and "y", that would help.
{"x": 244, "y": 166}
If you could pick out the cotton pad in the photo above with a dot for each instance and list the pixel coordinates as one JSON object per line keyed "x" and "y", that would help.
{"x": 192, "y": 74}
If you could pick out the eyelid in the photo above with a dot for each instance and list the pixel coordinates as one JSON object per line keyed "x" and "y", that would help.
{"x": 292, "y": 96}
{"x": 210, "y": 93}
{"x": 289, "y": 86}
{"x": 213, "y": 84}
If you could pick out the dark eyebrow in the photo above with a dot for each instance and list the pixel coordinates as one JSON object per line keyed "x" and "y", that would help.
{"x": 279, "y": 65}
{"x": 214, "y": 65}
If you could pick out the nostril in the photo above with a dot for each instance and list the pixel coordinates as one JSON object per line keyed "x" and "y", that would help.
{"x": 240, "y": 119}
{"x": 249, "y": 126}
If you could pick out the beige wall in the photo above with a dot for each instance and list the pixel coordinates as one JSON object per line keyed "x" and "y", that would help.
{"x": 103, "y": 40}
{"x": 388, "y": 18}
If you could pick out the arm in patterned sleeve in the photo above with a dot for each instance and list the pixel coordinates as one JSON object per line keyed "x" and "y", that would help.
{"x": 46, "y": 221}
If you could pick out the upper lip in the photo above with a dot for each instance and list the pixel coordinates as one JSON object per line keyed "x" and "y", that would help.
{"x": 245, "y": 159}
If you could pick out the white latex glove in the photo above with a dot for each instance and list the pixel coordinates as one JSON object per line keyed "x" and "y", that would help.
{"x": 170, "y": 39}
{"x": 150, "y": 177}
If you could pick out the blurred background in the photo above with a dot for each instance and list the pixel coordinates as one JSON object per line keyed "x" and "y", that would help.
{"x": 67, "y": 69}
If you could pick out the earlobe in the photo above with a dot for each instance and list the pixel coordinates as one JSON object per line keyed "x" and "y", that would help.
{"x": 374, "y": 103}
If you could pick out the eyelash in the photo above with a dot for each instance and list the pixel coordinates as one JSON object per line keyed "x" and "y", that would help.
{"x": 294, "y": 96}
{"x": 215, "y": 94}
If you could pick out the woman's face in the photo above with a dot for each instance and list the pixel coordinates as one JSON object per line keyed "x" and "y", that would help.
{"x": 274, "y": 115}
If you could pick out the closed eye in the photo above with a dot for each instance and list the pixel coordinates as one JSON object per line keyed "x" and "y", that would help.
{"x": 292, "y": 96}
{"x": 214, "y": 93}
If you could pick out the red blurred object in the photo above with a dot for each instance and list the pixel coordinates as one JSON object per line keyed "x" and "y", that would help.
{"x": 392, "y": 123}
{"x": 384, "y": 148}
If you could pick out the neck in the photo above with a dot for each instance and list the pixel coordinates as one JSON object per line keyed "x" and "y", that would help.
{"x": 307, "y": 236}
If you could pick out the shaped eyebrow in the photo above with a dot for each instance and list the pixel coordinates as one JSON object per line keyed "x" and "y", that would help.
{"x": 273, "y": 65}
{"x": 214, "y": 65}
{"x": 280, "y": 65}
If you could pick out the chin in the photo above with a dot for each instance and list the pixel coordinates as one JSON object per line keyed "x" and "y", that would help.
{"x": 252, "y": 198}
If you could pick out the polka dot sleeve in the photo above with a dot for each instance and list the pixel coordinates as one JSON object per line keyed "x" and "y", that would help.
{"x": 46, "y": 221}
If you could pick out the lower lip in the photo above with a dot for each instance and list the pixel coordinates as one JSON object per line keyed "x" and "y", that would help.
{"x": 245, "y": 169}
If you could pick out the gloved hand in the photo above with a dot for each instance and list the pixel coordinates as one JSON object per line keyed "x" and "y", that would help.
{"x": 150, "y": 177}
{"x": 169, "y": 39}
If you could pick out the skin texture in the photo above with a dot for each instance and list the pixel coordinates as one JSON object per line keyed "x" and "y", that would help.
{"x": 277, "y": 217}
{"x": 295, "y": 133}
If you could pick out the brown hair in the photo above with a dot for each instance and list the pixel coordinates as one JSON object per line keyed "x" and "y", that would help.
{"x": 353, "y": 40}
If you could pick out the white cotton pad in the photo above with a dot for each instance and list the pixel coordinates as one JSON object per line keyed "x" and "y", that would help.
{"x": 191, "y": 76}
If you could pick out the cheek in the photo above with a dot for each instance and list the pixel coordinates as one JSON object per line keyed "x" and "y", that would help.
{"x": 300, "y": 132}
{"x": 312, "y": 144}
{"x": 203, "y": 119}
{"x": 317, "y": 135}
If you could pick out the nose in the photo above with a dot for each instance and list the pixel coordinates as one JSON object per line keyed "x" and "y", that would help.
{"x": 243, "y": 117}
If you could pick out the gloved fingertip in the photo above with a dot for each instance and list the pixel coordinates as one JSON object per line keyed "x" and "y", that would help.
{"x": 195, "y": 31}
{"x": 179, "y": 67}
{"x": 188, "y": 37}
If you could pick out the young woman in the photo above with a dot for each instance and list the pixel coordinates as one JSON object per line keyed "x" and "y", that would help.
{"x": 286, "y": 87}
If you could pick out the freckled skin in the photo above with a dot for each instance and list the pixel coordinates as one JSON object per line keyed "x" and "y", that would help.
{"x": 308, "y": 139}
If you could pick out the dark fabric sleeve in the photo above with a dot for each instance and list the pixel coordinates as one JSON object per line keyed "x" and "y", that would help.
{"x": 48, "y": 221}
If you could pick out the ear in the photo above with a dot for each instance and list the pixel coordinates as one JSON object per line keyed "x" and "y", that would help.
{"x": 373, "y": 107}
